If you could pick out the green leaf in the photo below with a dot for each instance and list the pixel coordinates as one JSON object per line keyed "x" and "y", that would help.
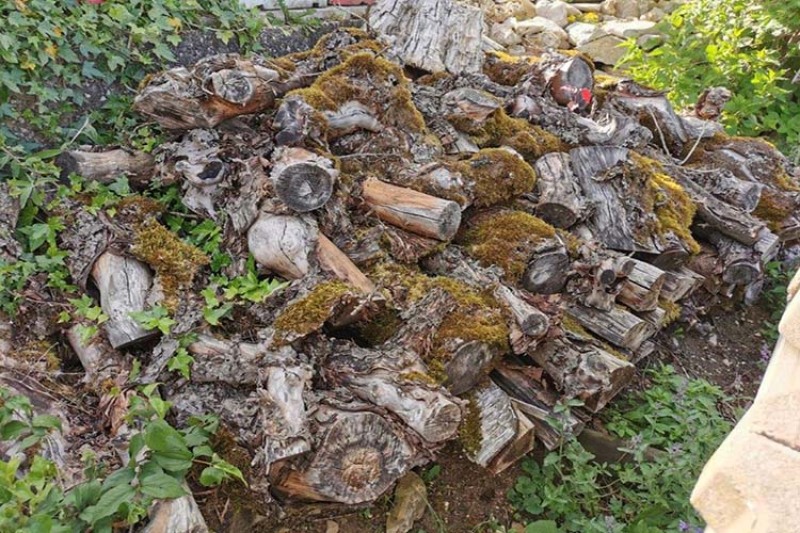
{"x": 46, "y": 421}
{"x": 168, "y": 446}
{"x": 13, "y": 429}
{"x": 108, "y": 504}
{"x": 160, "y": 485}
{"x": 211, "y": 476}
{"x": 542, "y": 526}
{"x": 84, "y": 495}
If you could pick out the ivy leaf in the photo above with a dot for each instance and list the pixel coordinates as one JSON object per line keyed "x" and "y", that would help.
{"x": 213, "y": 315}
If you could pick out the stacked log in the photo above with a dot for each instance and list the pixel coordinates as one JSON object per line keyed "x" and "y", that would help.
{"x": 462, "y": 255}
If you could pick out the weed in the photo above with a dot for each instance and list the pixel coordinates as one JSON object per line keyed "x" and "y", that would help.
{"x": 774, "y": 298}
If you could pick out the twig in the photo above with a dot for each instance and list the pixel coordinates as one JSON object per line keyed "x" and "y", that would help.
{"x": 696, "y": 144}
{"x": 660, "y": 133}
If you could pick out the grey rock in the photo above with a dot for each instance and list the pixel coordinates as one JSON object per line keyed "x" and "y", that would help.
{"x": 629, "y": 28}
{"x": 581, "y": 33}
{"x": 605, "y": 50}
{"x": 410, "y": 501}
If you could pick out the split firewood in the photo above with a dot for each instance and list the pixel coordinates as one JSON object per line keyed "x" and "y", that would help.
{"x": 106, "y": 166}
{"x": 433, "y": 35}
{"x": 414, "y": 211}
{"x": 680, "y": 284}
{"x": 490, "y": 425}
{"x": 302, "y": 180}
{"x": 521, "y": 445}
{"x": 724, "y": 185}
{"x": 124, "y": 285}
{"x": 333, "y": 260}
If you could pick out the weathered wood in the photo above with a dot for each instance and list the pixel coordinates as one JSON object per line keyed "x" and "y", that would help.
{"x": 333, "y": 260}
{"x": 433, "y": 35}
{"x": 530, "y": 320}
{"x": 585, "y": 372}
{"x": 100, "y": 361}
{"x": 655, "y": 113}
{"x": 414, "y": 211}
{"x": 302, "y": 180}
{"x": 498, "y": 423}
{"x": 571, "y": 83}
{"x": 214, "y": 89}
{"x": 523, "y": 442}
{"x": 547, "y": 270}
{"x": 106, "y": 166}
{"x": 561, "y": 201}
{"x": 360, "y": 455}
{"x": 284, "y": 244}
{"x": 728, "y": 220}
{"x": 176, "y": 516}
{"x": 728, "y": 188}
{"x": 617, "y": 326}
{"x": 350, "y": 117}
{"x": 680, "y": 283}
{"x": 638, "y": 297}
{"x": 124, "y": 285}
{"x": 741, "y": 264}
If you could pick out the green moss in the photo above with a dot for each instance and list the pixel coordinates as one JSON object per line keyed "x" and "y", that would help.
{"x": 773, "y": 208}
{"x": 499, "y": 129}
{"x": 175, "y": 261}
{"x": 505, "y": 69}
{"x": 498, "y": 174}
{"x": 572, "y": 242}
{"x": 663, "y": 196}
{"x": 672, "y": 310}
{"x": 373, "y": 81}
{"x": 470, "y": 434}
{"x": 381, "y": 328}
{"x": 506, "y": 239}
{"x": 310, "y": 312}
{"x": 419, "y": 377}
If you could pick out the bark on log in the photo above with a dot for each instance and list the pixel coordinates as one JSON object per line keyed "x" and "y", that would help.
{"x": 333, "y": 260}
{"x": 215, "y": 89}
{"x": 124, "y": 286}
{"x": 433, "y": 35}
{"x": 680, "y": 284}
{"x": 360, "y": 456}
{"x": 302, "y": 180}
{"x": 413, "y": 211}
{"x": 530, "y": 320}
{"x": 741, "y": 264}
{"x": 655, "y": 113}
{"x": 724, "y": 185}
{"x": 180, "y": 515}
{"x": 639, "y": 298}
{"x": 284, "y": 244}
{"x": 560, "y": 198}
{"x": 617, "y": 326}
{"x": 585, "y": 372}
{"x": 107, "y": 166}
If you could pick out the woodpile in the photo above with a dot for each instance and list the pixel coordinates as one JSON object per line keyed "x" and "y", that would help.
{"x": 463, "y": 251}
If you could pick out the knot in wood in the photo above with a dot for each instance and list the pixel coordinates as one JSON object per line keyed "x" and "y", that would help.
{"x": 360, "y": 467}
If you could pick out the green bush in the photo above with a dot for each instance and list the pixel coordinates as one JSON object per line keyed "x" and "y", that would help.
{"x": 748, "y": 47}
{"x": 676, "y": 415}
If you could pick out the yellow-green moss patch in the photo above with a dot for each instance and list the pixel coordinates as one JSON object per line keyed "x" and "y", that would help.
{"x": 672, "y": 310}
{"x": 470, "y": 433}
{"x": 498, "y": 175}
{"x": 506, "y": 239}
{"x": 310, "y": 312}
{"x": 175, "y": 261}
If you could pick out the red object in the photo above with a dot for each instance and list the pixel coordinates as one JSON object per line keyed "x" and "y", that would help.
{"x": 586, "y": 95}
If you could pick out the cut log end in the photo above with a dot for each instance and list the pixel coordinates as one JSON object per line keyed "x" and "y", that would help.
{"x": 304, "y": 186}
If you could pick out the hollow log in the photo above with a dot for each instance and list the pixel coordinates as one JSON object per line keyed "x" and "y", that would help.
{"x": 360, "y": 455}
{"x": 333, "y": 260}
{"x": 617, "y": 326}
{"x": 214, "y": 89}
{"x": 284, "y": 244}
{"x": 124, "y": 284}
{"x": 432, "y": 35}
{"x": 414, "y": 211}
{"x": 106, "y": 166}
{"x": 523, "y": 443}
{"x": 560, "y": 198}
{"x": 585, "y": 371}
{"x": 497, "y": 422}
{"x": 302, "y": 180}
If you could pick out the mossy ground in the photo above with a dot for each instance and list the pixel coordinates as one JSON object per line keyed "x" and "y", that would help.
{"x": 175, "y": 261}
{"x": 469, "y": 433}
{"x": 506, "y": 239}
{"x": 498, "y": 176}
